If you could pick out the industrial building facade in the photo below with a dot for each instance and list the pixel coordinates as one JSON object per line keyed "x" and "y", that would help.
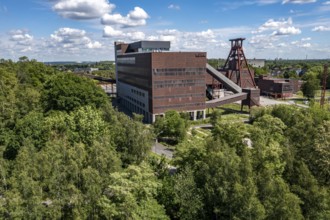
{"x": 151, "y": 80}
{"x": 278, "y": 88}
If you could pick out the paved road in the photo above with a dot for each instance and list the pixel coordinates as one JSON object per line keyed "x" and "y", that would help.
{"x": 202, "y": 126}
{"x": 264, "y": 101}
{"x": 162, "y": 150}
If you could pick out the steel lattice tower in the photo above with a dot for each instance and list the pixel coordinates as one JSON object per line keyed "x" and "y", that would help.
{"x": 236, "y": 66}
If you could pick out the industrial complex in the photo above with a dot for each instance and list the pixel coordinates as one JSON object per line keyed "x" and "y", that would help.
{"x": 151, "y": 79}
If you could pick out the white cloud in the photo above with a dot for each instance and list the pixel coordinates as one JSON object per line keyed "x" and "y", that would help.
{"x": 282, "y": 44}
{"x": 25, "y": 50}
{"x": 263, "y": 41}
{"x": 110, "y": 32}
{"x": 287, "y": 31}
{"x": 306, "y": 39}
{"x": 326, "y": 3}
{"x": 298, "y": 1}
{"x": 136, "y": 17}
{"x": 136, "y": 36}
{"x": 82, "y": 9}
{"x": 174, "y": 7}
{"x": 267, "y": 2}
{"x": 21, "y": 37}
{"x": 301, "y": 44}
{"x": 94, "y": 45}
{"x": 280, "y": 27}
{"x": 271, "y": 24}
{"x": 138, "y": 14}
{"x": 321, "y": 28}
{"x": 210, "y": 40}
{"x": 306, "y": 45}
{"x": 72, "y": 39}
{"x": 209, "y": 34}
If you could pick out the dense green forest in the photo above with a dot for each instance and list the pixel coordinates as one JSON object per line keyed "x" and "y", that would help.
{"x": 66, "y": 153}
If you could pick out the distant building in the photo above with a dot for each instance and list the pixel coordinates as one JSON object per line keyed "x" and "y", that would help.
{"x": 87, "y": 70}
{"x": 151, "y": 80}
{"x": 256, "y": 62}
{"x": 278, "y": 87}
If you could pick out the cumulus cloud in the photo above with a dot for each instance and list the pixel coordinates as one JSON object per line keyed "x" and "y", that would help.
{"x": 321, "y": 28}
{"x": 287, "y": 31}
{"x": 263, "y": 41}
{"x": 110, "y": 32}
{"x": 21, "y": 37}
{"x": 326, "y": 3}
{"x": 82, "y": 9}
{"x": 174, "y": 7}
{"x": 271, "y": 24}
{"x": 280, "y": 27}
{"x": 136, "y": 36}
{"x": 134, "y": 18}
{"x": 306, "y": 39}
{"x": 298, "y": 1}
{"x": 72, "y": 39}
{"x": 301, "y": 44}
{"x": 306, "y": 45}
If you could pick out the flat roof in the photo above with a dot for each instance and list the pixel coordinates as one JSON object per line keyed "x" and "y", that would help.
{"x": 198, "y": 53}
{"x": 150, "y": 45}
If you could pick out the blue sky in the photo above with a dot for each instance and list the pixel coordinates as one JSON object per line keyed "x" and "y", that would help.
{"x": 84, "y": 30}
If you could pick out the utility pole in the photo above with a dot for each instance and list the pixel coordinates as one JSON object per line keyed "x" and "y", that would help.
{"x": 324, "y": 85}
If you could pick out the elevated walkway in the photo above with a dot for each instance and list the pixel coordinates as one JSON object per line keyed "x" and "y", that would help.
{"x": 230, "y": 85}
{"x": 226, "y": 100}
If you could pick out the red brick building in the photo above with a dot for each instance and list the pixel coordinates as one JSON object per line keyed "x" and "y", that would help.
{"x": 151, "y": 80}
{"x": 278, "y": 87}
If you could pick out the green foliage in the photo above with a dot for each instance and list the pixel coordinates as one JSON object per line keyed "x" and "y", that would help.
{"x": 67, "y": 92}
{"x": 131, "y": 195}
{"x": 75, "y": 157}
{"x": 8, "y": 88}
{"x": 172, "y": 126}
{"x": 281, "y": 174}
{"x": 132, "y": 139}
{"x": 105, "y": 73}
{"x": 315, "y": 198}
{"x": 62, "y": 162}
{"x": 310, "y": 86}
{"x": 260, "y": 71}
{"x": 289, "y": 74}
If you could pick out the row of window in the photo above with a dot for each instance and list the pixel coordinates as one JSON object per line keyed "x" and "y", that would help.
{"x": 158, "y": 82}
{"x": 178, "y": 71}
{"x": 180, "y": 96}
{"x": 170, "y": 85}
{"x": 126, "y": 60}
{"x": 135, "y": 109}
{"x": 136, "y": 92}
{"x": 136, "y": 101}
{"x": 179, "y": 106}
{"x": 178, "y": 83}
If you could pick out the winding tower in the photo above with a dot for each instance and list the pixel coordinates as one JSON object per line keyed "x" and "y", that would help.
{"x": 236, "y": 67}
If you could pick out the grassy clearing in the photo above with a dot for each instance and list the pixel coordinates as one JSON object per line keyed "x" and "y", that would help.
{"x": 200, "y": 133}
